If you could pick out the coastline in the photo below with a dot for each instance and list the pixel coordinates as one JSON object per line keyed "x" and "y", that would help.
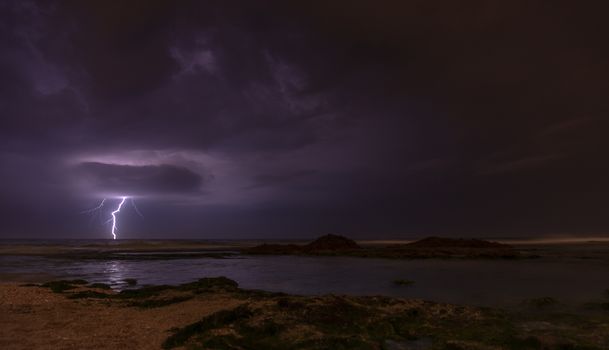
{"x": 215, "y": 311}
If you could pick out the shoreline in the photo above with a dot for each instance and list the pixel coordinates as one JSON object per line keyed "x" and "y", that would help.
{"x": 216, "y": 311}
{"x": 383, "y": 249}
{"x": 36, "y": 318}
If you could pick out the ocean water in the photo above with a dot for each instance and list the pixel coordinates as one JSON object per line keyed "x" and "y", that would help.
{"x": 474, "y": 282}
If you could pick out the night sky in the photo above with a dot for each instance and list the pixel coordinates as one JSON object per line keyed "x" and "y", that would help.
{"x": 292, "y": 119}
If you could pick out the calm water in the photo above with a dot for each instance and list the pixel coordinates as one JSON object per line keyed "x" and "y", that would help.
{"x": 478, "y": 282}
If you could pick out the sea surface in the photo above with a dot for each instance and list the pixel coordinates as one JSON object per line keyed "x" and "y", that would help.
{"x": 474, "y": 282}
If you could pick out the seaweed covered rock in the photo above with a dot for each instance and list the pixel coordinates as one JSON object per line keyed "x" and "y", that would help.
{"x": 60, "y": 286}
{"x": 147, "y": 296}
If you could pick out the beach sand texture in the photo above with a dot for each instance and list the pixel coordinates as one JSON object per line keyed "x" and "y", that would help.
{"x": 36, "y": 318}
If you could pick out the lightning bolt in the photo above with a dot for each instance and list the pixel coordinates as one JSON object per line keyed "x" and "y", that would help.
{"x": 136, "y": 208}
{"x": 96, "y": 212}
{"x": 118, "y": 209}
{"x": 94, "y": 209}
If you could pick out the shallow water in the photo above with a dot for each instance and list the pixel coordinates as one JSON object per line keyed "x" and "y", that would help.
{"x": 475, "y": 282}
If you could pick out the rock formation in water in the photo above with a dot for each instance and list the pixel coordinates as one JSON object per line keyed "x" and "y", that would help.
{"x": 437, "y": 247}
{"x": 331, "y": 243}
{"x": 328, "y": 244}
{"x": 431, "y": 247}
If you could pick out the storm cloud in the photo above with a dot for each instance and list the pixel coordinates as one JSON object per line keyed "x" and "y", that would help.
{"x": 290, "y": 119}
{"x": 130, "y": 180}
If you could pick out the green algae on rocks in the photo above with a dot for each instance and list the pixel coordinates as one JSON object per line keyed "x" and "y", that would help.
{"x": 266, "y": 320}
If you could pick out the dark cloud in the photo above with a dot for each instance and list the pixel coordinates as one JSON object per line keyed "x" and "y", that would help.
{"x": 264, "y": 180}
{"x": 363, "y": 117}
{"x": 130, "y": 180}
{"x": 520, "y": 164}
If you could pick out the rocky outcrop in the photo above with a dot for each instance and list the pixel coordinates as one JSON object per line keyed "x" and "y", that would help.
{"x": 273, "y": 249}
{"x": 331, "y": 243}
{"x": 437, "y": 247}
{"x": 439, "y": 242}
{"x": 328, "y": 244}
{"x": 431, "y": 247}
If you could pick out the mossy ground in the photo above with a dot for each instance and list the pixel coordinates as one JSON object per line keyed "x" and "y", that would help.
{"x": 341, "y": 322}
{"x": 145, "y": 297}
{"x": 344, "y": 322}
{"x": 278, "y": 321}
{"x": 99, "y": 286}
{"x": 63, "y": 285}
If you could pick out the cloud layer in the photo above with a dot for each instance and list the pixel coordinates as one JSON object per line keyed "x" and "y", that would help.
{"x": 288, "y": 119}
{"x": 146, "y": 180}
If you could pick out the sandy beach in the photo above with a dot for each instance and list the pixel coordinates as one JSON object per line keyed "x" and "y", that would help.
{"x": 36, "y": 318}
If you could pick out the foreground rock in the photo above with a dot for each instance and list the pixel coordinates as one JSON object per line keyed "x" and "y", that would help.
{"x": 213, "y": 313}
{"x": 432, "y": 247}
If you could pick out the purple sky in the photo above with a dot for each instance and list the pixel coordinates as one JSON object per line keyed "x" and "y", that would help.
{"x": 264, "y": 119}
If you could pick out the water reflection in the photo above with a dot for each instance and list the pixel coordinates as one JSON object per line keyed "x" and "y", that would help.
{"x": 481, "y": 282}
{"x": 115, "y": 272}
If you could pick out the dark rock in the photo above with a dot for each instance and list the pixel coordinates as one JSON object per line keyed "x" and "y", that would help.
{"x": 437, "y": 247}
{"x": 331, "y": 243}
{"x": 278, "y": 249}
{"x": 63, "y": 285}
{"x": 439, "y": 242}
{"x": 99, "y": 286}
{"x": 130, "y": 281}
{"x": 432, "y": 247}
{"x": 328, "y": 244}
